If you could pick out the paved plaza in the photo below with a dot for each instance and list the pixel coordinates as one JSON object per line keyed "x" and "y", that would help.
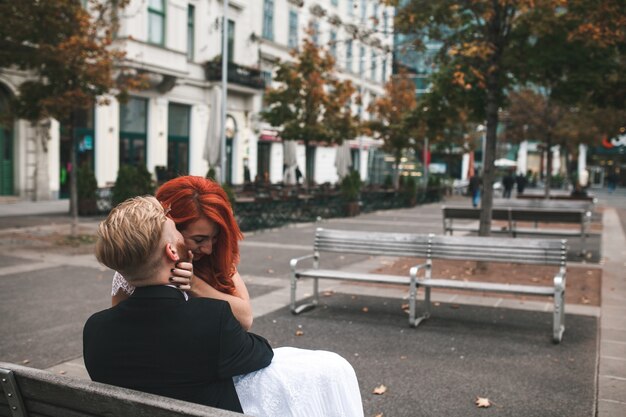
{"x": 472, "y": 346}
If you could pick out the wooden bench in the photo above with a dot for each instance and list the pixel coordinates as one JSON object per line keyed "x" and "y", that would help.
{"x": 544, "y": 204}
{"x": 513, "y": 215}
{"x": 355, "y": 242}
{"x": 32, "y": 392}
{"x": 489, "y": 249}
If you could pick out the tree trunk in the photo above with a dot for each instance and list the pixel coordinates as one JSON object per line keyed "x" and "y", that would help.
{"x": 548, "y": 165}
{"x": 488, "y": 159}
{"x": 73, "y": 178}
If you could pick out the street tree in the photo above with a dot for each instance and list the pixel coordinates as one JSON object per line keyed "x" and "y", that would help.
{"x": 479, "y": 41}
{"x": 309, "y": 103}
{"x": 67, "y": 52}
{"x": 390, "y": 113}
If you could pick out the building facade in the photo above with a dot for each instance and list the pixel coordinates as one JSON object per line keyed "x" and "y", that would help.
{"x": 169, "y": 127}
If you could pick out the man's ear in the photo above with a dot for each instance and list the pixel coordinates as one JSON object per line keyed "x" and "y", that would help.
{"x": 171, "y": 252}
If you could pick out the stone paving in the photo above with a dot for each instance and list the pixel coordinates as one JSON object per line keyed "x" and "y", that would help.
{"x": 265, "y": 269}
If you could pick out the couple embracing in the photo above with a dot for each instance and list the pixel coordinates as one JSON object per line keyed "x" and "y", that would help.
{"x": 179, "y": 325}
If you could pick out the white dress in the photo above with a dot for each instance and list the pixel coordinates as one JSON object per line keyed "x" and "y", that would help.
{"x": 298, "y": 382}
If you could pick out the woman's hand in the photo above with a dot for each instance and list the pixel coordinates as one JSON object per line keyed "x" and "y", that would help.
{"x": 182, "y": 274}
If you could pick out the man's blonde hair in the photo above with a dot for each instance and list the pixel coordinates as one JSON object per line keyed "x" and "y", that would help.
{"x": 129, "y": 239}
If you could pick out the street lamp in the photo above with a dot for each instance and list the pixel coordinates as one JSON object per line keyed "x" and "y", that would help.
{"x": 224, "y": 92}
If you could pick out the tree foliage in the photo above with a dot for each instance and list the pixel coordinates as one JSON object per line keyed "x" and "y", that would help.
{"x": 309, "y": 103}
{"x": 68, "y": 54}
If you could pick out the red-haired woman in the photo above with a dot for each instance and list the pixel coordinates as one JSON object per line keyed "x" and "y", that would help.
{"x": 202, "y": 213}
{"x": 298, "y": 382}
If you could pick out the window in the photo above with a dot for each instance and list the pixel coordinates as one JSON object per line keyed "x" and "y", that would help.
{"x": 350, "y": 4}
{"x": 268, "y": 19}
{"x": 293, "y": 29}
{"x": 178, "y": 140}
{"x": 362, "y": 61}
{"x": 383, "y": 77}
{"x": 315, "y": 35}
{"x": 333, "y": 44}
{"x": 156, "y": 22}
{"x": 334, "y": 2}
{"x": 373, "y": 75}
{"x": 385, "y": 27}
{"x": 349, "y": 55}
{"x": 363, "y": 10}
{"x": 133, "y": 129}
{"x": 191, "y": 12}
{"x": 231, "y": 41}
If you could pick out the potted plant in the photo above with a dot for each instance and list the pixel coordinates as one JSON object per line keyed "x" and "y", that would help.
{"x": 132, "y": 181}
{"x": 351, "y": 191}
{"x": 409, "y": 191}
{"x": 87, "y": 191}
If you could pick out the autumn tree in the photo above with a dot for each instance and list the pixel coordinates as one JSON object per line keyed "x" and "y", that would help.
{"x": 67, "y": 52}
{"x": 309, "y": 102}
{"x": 389, "y": 118}
{"x": 480, "y": 44}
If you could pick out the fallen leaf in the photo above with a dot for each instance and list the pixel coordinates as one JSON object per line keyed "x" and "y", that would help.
{"x": 379, "y": 415}
{"x": 25, "y": 361}
{"x": 328, "y": 293}
{"x": 62, "y": 372}
{"x": 402, "y": 357}
{"x": 585, "y": 300}
{"x": 380, "y": 390}
{"x": 270, "y": 271}
{"x": 269, "y": 256}
{"x": 353, "y": 297}
{"x": 535, "y": 279}
{"x": 436, "y": 303}
{"x": 299, "y": 332}
{"x": 365, "y": 309}
{"x": 405, "y": 306}
{"x": 483, "y": 402}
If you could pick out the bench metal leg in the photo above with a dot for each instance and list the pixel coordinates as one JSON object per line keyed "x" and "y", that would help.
{"x": 303, "y": 307}
{"x": 559, "y": 310}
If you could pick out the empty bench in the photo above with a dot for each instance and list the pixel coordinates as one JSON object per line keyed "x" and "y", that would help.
{"x": 32, "y": 392}
{"x": 492, "y": 249}
{"x": 513, "y": 215}
{"x": 355, "y": 242}
{"x": 429, "y": 248}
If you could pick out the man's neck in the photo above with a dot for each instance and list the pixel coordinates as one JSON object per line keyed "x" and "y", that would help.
{"x": 158, "y": 277}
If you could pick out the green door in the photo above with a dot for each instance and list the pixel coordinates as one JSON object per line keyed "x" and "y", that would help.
{"x": 6, "y": 162}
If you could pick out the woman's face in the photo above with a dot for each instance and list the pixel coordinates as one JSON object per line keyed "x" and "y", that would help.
{"x": 200, "y": 236}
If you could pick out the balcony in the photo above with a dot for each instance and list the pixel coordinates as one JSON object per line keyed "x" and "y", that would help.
{"x": 237, "y": 74}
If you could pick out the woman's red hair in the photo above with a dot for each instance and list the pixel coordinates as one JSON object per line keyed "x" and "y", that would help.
{"x": 191, "y": 198}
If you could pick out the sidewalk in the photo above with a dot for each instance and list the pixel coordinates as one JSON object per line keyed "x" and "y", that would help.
{"x": 265, "y": 271}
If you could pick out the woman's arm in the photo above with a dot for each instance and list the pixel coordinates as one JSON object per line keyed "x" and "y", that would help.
{"x": 239, "y": 303}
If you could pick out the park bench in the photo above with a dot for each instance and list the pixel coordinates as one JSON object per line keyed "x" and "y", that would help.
{"x": 355, "y": 242}
{"x": 557, "y": 196}
{"x": 32, "y": 392}
{"x": 429, "y": 247}
{"x": 513, "y": 215}
{"x": 493, "y": 249}
{"x": 544, "y": 204}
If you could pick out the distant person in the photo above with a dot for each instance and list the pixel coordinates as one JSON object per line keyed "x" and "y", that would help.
{"x": 298, "y": 175}
{"x": 521, "y": 181}
{"x": 474, "y": 189}
{"x": 611, "y": 181}
{"x": 507, "y": 183}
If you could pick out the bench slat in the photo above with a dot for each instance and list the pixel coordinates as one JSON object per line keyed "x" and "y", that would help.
{"x": 48, "y": 393}
{"x": 353, "y": 276}
{"x": 486, "y": 286}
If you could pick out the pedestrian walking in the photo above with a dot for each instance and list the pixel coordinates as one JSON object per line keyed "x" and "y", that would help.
{"x": 507, "y": 183}
{"x": 474, "y": 189}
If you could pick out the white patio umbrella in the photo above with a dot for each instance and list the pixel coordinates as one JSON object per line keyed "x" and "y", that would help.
{"x": 214, "y": 135}
{"x": 290, "y": 161}
{"x": 343, "y": 160}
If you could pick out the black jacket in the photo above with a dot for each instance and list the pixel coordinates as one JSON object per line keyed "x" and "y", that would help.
{"x": 159, "y": 343}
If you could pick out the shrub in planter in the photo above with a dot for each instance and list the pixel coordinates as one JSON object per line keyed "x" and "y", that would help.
{"x": 87, "y": 188}
{"x": 409, "y": 191}
{"x": 350, "y": 191}
{"x": 132, "y": 181}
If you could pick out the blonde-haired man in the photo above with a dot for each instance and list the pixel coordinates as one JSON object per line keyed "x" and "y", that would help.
{"x": 157, "y": 341}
